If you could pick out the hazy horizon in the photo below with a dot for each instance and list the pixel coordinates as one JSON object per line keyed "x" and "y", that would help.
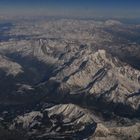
{"x": 72, "y": 8}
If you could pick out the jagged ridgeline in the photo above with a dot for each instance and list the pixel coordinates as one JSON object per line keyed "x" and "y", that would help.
{"x": 70, "y": 83}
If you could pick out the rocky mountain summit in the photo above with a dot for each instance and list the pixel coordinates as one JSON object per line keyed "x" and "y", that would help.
{"x": 72, "y": 87}
{"x": 102, "y": 77}
{"x": 62, "y": 124}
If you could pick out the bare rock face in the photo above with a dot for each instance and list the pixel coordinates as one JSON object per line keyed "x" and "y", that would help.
{"x": 64, "y": 121}
{"x": 11, "y": 68}
{"x": 27, "y": 121}
{"x": 104, "y": 78}
{"x": 65, "y": 79}
{"x": 83, "y": 76}
{"x": 116, "y": 133}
